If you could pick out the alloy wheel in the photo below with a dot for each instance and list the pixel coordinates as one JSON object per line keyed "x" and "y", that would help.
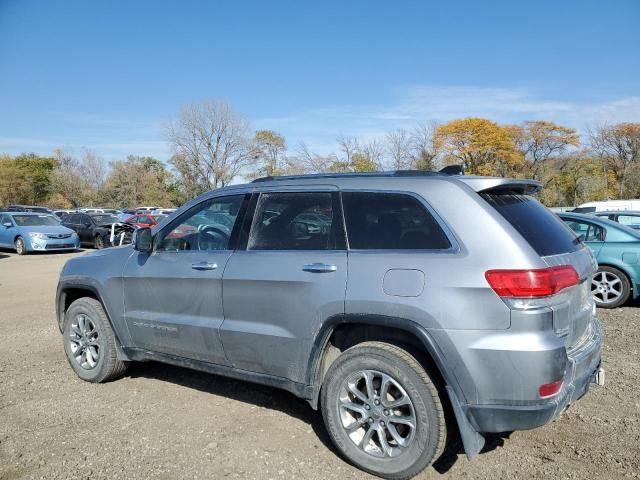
{"x": 19, "y": 246}
{"x": 376, "y": 413}
{"x": 85, "y": 342}
{"x": 606, "y": 287}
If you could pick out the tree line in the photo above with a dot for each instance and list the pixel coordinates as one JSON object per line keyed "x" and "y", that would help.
{"x": 213, "y": 145}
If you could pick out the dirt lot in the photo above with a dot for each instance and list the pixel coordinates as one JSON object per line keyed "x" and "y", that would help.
{"x": 166, "y": 422}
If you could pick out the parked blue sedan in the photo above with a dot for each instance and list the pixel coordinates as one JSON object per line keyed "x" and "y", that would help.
{"x": 31, "y": 232}
{"x": 617, "y": 250}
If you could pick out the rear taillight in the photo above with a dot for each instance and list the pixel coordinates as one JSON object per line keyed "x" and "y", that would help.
{"x": 549, "y": 390}
{"x": 532, "y": 283}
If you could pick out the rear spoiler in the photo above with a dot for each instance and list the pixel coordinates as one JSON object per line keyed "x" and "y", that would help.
{"x": 499, "y": 185}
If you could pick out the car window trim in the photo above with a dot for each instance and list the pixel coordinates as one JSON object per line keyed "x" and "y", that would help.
{"x": 456, "y": 245}
{"x": 178, "y": 220}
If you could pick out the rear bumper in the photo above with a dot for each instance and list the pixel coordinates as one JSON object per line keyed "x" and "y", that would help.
{"x": 582, "y": 368}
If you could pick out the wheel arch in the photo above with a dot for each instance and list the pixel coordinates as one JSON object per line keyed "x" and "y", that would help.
{"x": 69, "y": 293}
{"x": 351, "y": 329}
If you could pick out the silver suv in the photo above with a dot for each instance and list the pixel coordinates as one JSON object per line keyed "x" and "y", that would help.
{"x": 403, "y": 305}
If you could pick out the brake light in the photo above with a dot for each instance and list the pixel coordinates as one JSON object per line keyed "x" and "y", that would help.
{"x": 549, "y": 390}
{"x": 532, "y": 283}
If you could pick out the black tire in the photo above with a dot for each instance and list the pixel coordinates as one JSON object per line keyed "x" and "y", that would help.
{"x": 108, "y": 366}
{"x": 429, "y": 436}
{"x": 98, "y": 242}
{"x": 612, "y": 277}
{"x": 20, "y": 246}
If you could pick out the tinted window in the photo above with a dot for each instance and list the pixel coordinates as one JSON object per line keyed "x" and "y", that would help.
{"x": 205, "y": 227}
{"x": 390, "y": 221}
{"x": 587, "y": 232}
{"x": 295, "y": 221}
{"x": 542, "y": 229}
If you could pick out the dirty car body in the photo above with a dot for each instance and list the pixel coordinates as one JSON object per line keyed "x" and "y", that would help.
{"x": 456, "y": 282}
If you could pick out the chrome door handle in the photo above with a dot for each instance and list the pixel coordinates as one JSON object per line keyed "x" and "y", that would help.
{"x": 319, "y": 268}
{"x": 204, "y": 266}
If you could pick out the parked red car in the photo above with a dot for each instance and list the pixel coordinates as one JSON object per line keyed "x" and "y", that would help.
{"x": 144, "y": 220}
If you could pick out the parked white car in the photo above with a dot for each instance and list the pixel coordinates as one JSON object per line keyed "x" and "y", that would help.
{"x": 608, "y": 205}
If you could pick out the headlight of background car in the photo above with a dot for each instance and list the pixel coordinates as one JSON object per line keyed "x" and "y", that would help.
{"x": 42, "y": 236}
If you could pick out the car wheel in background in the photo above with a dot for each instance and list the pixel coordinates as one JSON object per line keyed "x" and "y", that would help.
{"x": 610, "y": 287}
{"x": 90, "y": 343}
{"x": 383, "y": 411}
{"x": 20, "y": 247}
{"x": 98, "y": 242}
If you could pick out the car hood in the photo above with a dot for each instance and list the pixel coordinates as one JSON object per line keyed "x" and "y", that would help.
{"x": 47, "y": 229}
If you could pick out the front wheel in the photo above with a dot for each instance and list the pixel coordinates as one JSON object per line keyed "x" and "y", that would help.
{"x": 610, "y": 287}
{"x": 382, "y": 411}
{"x": 90, "y": 343}
{"x": 98, "y": 242}
{"x": 20, "y": 247}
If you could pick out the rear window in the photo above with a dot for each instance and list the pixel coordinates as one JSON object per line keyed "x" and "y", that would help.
{"x": 542, "y": 229}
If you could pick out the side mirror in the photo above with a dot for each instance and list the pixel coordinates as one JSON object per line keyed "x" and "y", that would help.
{"x": 7, "y": 224}
{"x": 143, "y": 240}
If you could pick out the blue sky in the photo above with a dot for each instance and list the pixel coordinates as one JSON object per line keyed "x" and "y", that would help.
{"x": 107, "y": 75}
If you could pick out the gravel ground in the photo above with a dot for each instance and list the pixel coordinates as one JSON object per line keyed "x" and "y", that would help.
{"x": 163, "y": 422}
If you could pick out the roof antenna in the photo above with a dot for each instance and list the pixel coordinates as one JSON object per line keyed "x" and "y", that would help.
{"x": 452, "y": 170}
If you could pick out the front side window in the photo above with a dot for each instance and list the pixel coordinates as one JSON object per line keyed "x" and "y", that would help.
{"x": 206, "y": 227}
{"x": 295, "y": 221}
{"x": 6, "y": 219}
{"x": 390, "y": 221}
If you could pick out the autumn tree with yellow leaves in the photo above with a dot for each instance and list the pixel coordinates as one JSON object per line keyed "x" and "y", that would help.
{"x": 482, "y": 146}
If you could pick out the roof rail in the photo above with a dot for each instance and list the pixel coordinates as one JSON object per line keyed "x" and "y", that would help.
{"x": 448, "y": 170}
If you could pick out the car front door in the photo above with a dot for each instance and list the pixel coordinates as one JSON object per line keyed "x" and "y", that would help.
{"x": 85, "y": 228}
{"x": 284, "y": 281}
{"x": 173, "y": 296}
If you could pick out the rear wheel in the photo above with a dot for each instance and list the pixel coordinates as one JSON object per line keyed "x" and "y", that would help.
{"x": 610, "y": 287}
{"x": 382, "y": 411}
{"x": 20, "y": 247}
{"x": 89, "y": 342}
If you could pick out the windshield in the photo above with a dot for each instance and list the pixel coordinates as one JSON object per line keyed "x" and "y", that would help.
{"x": 103, "y": 219}
{"x": 35, "y": 220}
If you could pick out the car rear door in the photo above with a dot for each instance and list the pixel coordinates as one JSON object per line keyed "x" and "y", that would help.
{"x": 291, "y": 277}
{"x": 173, "y": 296}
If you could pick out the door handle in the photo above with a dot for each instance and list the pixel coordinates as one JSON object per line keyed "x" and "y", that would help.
{"x": 319, "y": 268}
{"x": 204, "y": 266}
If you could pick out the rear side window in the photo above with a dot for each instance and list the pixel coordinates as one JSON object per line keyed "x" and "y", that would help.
{"x": 390, "y": 221}
{"x": 542, "y": 229}
{"x": 296, "y": 221}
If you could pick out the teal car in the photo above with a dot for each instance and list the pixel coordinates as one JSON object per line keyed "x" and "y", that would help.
{"x": 617, "y": 250}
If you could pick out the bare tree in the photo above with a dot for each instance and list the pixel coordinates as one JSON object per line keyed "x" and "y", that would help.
{"x": 374, "y": 150}
{"x": 310, "y": 162}
{"x": 211, "y": 143}
{"x": 349, "y": 146}
{"x": 68, "y": 179}
{"x": 93, "y": 169}
{"x": 423, "y": 147}
{"x": 399, "y": 149}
